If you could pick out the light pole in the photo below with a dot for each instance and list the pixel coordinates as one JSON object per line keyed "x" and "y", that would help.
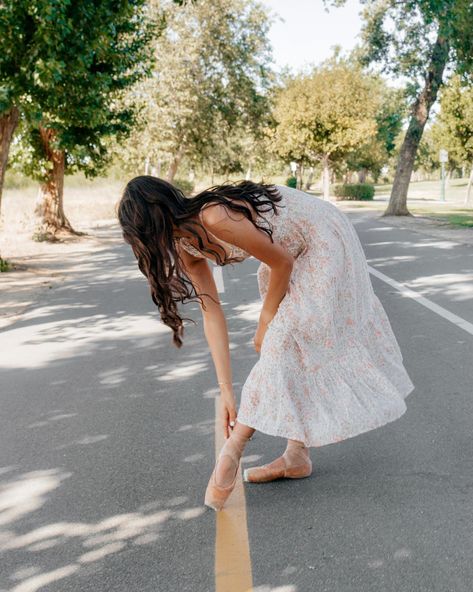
{"x": 443, "y": 157}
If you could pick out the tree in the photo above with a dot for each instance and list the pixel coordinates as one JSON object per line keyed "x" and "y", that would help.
{"x": 418, "y": 40}
{"x": 453, "y": 128}
{"x": 210, "y": 81}
{"x": 15, "y": 73}
{"x": 85, "y": 54}
{"x": 324, "y": 116}
{"x": 376, "y": 152}
{"x": 427, "y": 156}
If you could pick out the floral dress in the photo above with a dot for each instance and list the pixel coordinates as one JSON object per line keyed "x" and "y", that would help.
{"x": 330, "y": 366}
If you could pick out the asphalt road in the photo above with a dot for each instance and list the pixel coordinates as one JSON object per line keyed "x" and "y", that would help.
{"x": 107, "y": 443}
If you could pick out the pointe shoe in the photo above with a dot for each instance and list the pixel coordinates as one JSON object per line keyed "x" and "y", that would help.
{"x": 278, "y": 469}
{"x": 216, "y": 495}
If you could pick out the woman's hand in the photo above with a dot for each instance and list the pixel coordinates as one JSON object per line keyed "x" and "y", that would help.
{"x": 228, "y": 412}
{"x": 264, "y": 320}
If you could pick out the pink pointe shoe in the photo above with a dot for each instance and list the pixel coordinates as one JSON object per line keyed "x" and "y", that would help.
{"x": 295, "y": 463}
{"x": 216, "y": 495}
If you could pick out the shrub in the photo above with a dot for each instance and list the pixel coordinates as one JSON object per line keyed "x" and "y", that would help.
{"x": 186, "y": 186}
{"x": 354, "y": 191}
{"x": 291, "y": 182}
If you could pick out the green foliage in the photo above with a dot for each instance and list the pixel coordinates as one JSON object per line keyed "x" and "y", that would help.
{"x": 206, "y": 101}
{"x": 291, "y": 182}
{"x": 401, "y": 40}
{"x": 376, "y": 152}
{"x": 184, "y": 185}
{"x": 14, "y": 57}
{"x": 4, "y": 265}
{"x": 330, "y": 112}
{"x": 453, "y": 129}
{"x": 81, "y": 57}
{"x": 355, "y": 191}
{"x": 400, "y": 36}
{"x": 418, "y": 40}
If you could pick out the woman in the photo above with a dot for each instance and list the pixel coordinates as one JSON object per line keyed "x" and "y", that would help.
{"x": 329, "y": 367}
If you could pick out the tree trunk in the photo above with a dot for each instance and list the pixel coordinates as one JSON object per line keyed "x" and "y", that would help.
{"x": 299, "y": 173}
{"x": 310, "y": 179}
{"x": 174, "y": 165}
{"x": 49, "y": 207}
{"x": 362, "y": 173}
{"x": 468, "y": 189}
{"x": 8, "y": 123}
{"x": 326, "y": 177}
{"x": 420, "y": 113}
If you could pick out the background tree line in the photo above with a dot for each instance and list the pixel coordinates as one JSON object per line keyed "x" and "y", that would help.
{"x": 169, "y": 87}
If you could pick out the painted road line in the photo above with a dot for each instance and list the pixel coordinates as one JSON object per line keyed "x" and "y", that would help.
{"x": 232, "y": 548}
{"x": 405, "y": 291}
{"x": 218, "y": 278}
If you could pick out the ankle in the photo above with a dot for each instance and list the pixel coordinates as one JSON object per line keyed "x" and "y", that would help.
{"x": 296, "y": 453}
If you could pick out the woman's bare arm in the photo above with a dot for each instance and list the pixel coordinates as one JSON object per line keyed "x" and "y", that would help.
{"x": 215, "y": 329}
{"x": 239, "y": 231}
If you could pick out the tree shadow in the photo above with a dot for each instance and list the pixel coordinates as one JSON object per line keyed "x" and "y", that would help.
{"x": 107, "y": 436}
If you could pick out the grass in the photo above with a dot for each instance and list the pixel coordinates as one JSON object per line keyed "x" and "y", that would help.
{"x": 445, "y": 213}
{"x": 462, "y": 218}
{"x": 429, "y": 190}
{"x": 424, "y": 200}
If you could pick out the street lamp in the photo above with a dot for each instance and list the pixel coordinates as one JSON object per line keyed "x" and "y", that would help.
{"x": 443, "y": 157}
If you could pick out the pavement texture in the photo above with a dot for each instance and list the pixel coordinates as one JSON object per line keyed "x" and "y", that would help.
{"x": 107, "y": 441}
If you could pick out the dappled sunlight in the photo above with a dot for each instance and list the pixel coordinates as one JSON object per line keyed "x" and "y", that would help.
{"x": 40, "y": 312}
{"x": 374, "y": 228}
{"x": 90, "y": 542}
{"x": 437, "y": 244}
{"x": 52, "y": 415}
{"x": 84, "y": 441}
{"x": 203, "y": 428}
{"x": 457, "y": 286}
{"x": 194, "y": 457}
{"x": 391, "y": 261}
{"x": 211, "y": 393}
{"x": 31, "y": 584}
{"x": 248, "y": 312}
{"x": 113, "y": 376}
{"x": 37, "y": 346}
{"x": 28, "y": 493}
{"x": 183, "y": 371}
{"x": 398, "y": 555}
{"x": 418, "y": 244}
{"x": 287, "y": 588}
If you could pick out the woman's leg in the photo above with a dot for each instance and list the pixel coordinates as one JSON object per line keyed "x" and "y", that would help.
{"x": 232, "y": 450}
{"x": 294, "y": 463}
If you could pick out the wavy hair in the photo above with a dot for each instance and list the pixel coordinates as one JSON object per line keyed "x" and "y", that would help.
{"x": 149, "y": 212}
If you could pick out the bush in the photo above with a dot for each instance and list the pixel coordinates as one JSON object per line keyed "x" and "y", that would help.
{"x": 186, "y": 186}
{"x": 4, "y": 265}
{"x": 291, "y": 182}
{"x": 354, "y": 191}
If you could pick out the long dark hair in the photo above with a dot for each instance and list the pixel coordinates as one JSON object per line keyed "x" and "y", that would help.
{"x": 149, "y": 211}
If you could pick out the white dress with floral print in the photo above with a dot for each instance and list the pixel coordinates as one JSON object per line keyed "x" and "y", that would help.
{"x": 330, "y": 366}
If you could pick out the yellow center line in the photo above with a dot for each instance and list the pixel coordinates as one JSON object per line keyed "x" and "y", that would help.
{"x": 232, "y": 547}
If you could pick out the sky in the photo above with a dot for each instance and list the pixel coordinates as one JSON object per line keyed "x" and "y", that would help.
{"x": 303, "y": 33}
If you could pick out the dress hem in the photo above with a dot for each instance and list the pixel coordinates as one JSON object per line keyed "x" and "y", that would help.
{"x": 320, "y": 441}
